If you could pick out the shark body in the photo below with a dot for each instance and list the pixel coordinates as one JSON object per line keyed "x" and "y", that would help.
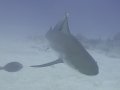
{"x": 70, "y": 50}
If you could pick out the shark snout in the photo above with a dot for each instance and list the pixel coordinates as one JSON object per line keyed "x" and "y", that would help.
{"x": 90, "y": 71}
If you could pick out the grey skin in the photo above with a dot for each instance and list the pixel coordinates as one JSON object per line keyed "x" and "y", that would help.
{"x": 12, "y": 67}
{"x": 70, "y": 50}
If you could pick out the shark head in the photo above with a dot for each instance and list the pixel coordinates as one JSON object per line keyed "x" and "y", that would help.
{"x": 70, "y": 49}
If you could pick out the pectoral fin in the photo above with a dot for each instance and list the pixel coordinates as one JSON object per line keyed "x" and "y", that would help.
{"x": 50, "y": 63}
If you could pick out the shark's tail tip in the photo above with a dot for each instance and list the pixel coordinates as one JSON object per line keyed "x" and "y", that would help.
{"x": 67, "y": 14}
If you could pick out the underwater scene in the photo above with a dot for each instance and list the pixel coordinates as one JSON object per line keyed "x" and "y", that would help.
{"x": 59, "y": 45}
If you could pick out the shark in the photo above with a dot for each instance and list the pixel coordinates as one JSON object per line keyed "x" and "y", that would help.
{"x": 69, "y": 49}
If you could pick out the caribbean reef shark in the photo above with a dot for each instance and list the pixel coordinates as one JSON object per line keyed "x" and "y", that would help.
{"x": 70, "y": 50}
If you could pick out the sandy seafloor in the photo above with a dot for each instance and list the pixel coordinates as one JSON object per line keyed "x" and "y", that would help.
{"x": 57, "y": 77}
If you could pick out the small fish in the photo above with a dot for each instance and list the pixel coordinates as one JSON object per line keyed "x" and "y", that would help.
{"x": 12, "y": 67}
